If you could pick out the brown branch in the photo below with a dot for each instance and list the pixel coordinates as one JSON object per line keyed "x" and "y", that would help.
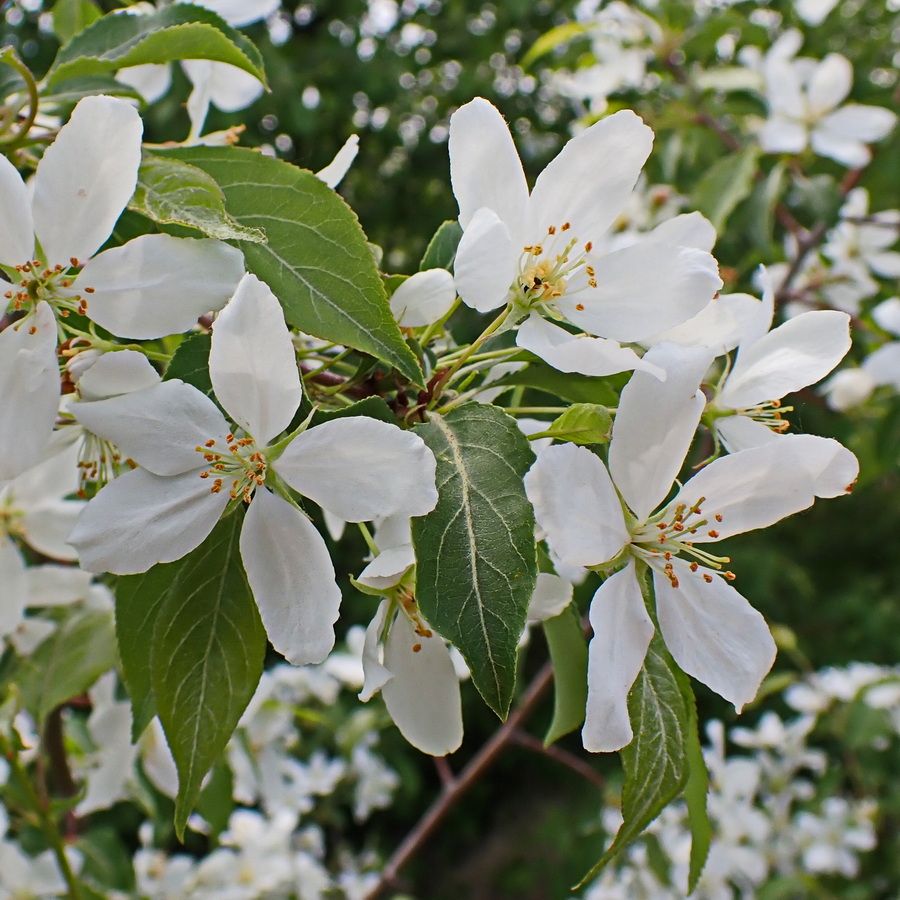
{"x": 454, "y": 789}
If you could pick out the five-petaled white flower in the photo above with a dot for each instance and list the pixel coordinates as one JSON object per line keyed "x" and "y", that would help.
{"x": 603, "y": 518}
{"x": 193, "y": 465}
{"x": 540, "y": 251}
{"x": 51, "y": 231}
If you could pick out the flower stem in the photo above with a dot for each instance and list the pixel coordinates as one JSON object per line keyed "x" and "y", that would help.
{"x": 9, "y": 57}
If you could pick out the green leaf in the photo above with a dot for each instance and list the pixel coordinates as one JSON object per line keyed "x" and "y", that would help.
{"x": 191, "y": 363}
{"x": 552, "y": 39}
{"x": 582, "y": 423}
{"x": 441, "y": 249}
{"x": 178, "y": 31}
{"x": 71, "y": 16}
{"x": 173, "y": 192}
{"x": 74, "y": 89}
{"x": 477, "y": 567}
{"x": 139, "y": 601}
{"x": 727, "y": 182}
{"x": 316, "y": 258}
{"x": 655, "y": 762}
{"x": 207, "y": 658}
{"x": 568, "y": 386}
{"x": 569, "y": 655}
{"x": 761, "y": 209}
{"x": 695, "y": 792}
{"x": 81, "y": 649}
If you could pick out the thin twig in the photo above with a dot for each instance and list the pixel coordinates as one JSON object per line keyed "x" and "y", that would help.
{"x": 460, "y": 784}
{"x": 567, "y": 759}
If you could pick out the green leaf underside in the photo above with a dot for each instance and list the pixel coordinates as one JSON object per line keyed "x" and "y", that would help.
{"x": 179, "y": 31}
{"x": 569, "y": 655}
{"x": 68, "y": 662}
{"x": 139, "y": 600}
{"x": 441, "y": 250}
{"x": 655, "y": 762}
{"x": 476, "y": 568}
{"x": 191, "y": 363}
{"x": 315, "y": 259}
{"x": 727, "y": 182}
{"x": 566, "y": 385}
{"x": 173, "y": 192}
{"x": 207, "y": 658}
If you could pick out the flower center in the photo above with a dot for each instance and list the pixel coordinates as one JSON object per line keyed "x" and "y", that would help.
{"x": 668, "y": 533}
{"x": 554, "y": 267}
{"x": 239, "y": 470}
{"x": 55, "y": 285}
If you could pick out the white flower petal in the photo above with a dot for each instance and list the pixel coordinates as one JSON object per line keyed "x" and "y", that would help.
{"x": 151, "y": 80}
{"x": 47, "y": 528}
{"x": 798, "y": 353}
{"x": 141, "y": 519}
{"x": 830, "y": 83}
{"x": 253, "y": 363}
{"x": 551, "y": 596}
{"x": 292, "y": 579}
{"x": 883, "y": 365}
{"x": 335, "y": 171}
{"x": 757, "y": 487}
{"x": 423, "y": 696}
{"x": 862, "y": 123}
{"x": 655, "y": 425}
{"x": 576, "y": 504}
{"x": 591, "y": 178}
{"x": 484, "y": 166}
{"x": 15, "y": 587}
{"x": 578, "y": 353}
{"x": 885, "y": 264}
{"x": 642, "y": 290}
{"x": 622, "y": 634}
{"x": 57, "y": 585}
{"x": 376, "y": 676}
{"x": 741, "y": 433}
{"x": 836, "y": 145}
{"x": 121, "y": 372}
{"x": 833, "y": 467}
{"x": 239, "y": 13}
{"x": 160, "y": 427}
{"x": 16, "y": 225}
{"x": 783, "y": 136}
{"x": 360, "y": 468}
{"x": 388, "y": 567}
{"x": 713, "y": 633}
{"x": 229, "y": 87}
{"x": 423, "y": 298}
{"x": 85, "y": 178}
{"x": 485, "y": 263}
{"x": 687, "y": 230}
{"x": 29, "y": 390}
{"x": 157, "y": 284}
{"x": 850, "y": 387}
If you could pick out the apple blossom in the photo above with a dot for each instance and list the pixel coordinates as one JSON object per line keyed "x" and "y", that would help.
{"x": 709, "y": 628}
{"x": 536, "y": 252}
{"x": 193, "y": 465}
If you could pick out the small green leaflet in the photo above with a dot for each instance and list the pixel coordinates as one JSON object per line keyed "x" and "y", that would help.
{"x": 476, "y": 567}
{"x": 727, "y": 182}
{"x": 191, "y": 363}
{"x": 315, "y": 259}
{"x": 177, "y": 31}
{"x": 441, "y": 250}
{"x": 569, "y": 655}
{"x": 656, "y": 761}
{"x": 173, "y": 192}
{"x": 81, "y": 649}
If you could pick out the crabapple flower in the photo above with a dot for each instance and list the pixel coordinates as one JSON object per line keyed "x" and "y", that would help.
{"x": 417, "y": 678}
{"x": 424, "y": 298}
{"x": 710, "y": 629}
{"x": 539, "y": 252}
{"x": 150, "y": 287}
{"x": 804, "y": 97}
{"x": 193, "y": 465}
{"x": 859, "y": 243}
{"x": 746, "y": 409}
